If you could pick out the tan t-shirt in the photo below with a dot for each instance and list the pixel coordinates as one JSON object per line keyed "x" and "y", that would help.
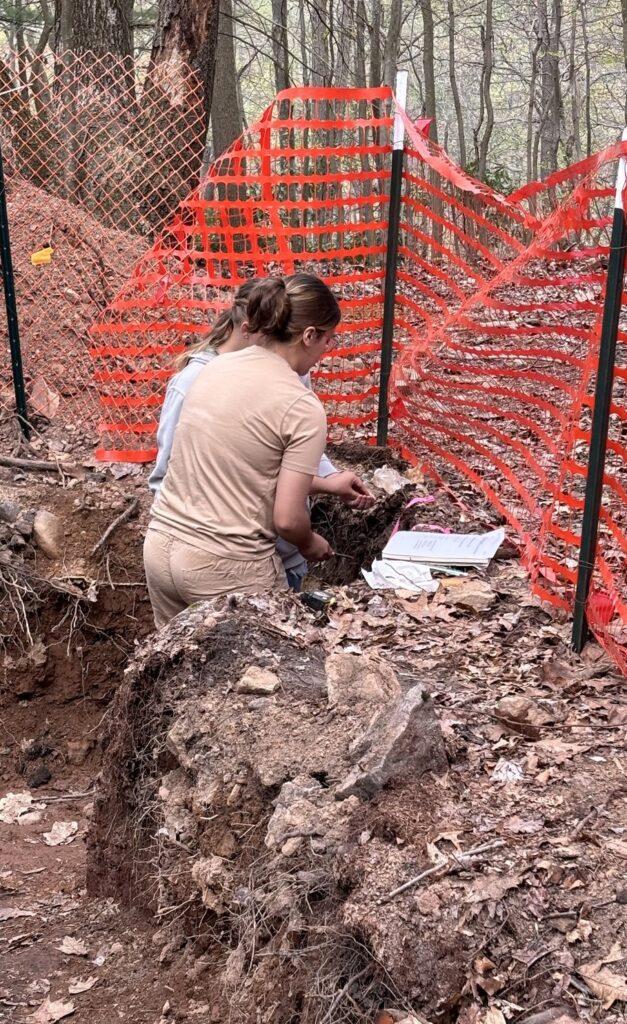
{"x": 245, "y": 416}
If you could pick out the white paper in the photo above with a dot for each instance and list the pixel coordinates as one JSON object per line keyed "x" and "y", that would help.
{"x": 399, "y": 575}
{"x": 444, "y": 548}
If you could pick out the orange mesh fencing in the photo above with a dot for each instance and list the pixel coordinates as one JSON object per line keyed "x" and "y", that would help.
{"x": 97, "y": 156}
{"x": 498, "y": 307}
{"x": 501, "y": 314}
{"x": 303, "y": 189}
{"x": 498, "y": 311}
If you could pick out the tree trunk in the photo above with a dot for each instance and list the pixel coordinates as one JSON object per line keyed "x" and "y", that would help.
{"x": 304, "y": 55}
{"x": 392, "y": 42}
{"x": 186, "y": 35}
{"x": 280, "y": 50}
{"x": 95, "y": 26}
{"x": 573, "y": 144}
{"x": 532, "y": 166}
{"x": 624, "y": 13}
{"x": 375, "y": 46}
{"x": 428, "y": 65}
{"x": 454, "y": 87}
{"x": 586, "y": 54}
{"x": 320, "y": 70}
{"x": 226, "y": 114}
{"x": 487, "y": 109}
{"x": 551, "y": 116}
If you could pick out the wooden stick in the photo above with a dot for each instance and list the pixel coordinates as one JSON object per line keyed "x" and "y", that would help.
{"x": 122, "y": 518}
{"x": 35, "y": 464}
{"x": 456, "y": 862}
{"x": 67, "y": 796}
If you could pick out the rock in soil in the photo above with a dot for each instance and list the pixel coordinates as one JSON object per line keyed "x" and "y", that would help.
{"x": 48, "y": 533}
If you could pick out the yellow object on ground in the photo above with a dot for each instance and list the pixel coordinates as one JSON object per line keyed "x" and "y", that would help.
{"x": 42, "y": 256}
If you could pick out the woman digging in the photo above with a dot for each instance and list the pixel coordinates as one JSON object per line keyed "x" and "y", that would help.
{"x": 246, "y": 454}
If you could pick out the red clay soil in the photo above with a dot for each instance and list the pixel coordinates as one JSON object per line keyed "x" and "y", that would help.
{"x": 58, "y": 302}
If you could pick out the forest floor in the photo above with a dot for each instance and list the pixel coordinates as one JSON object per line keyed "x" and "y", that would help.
{"x": 535, "y": 739}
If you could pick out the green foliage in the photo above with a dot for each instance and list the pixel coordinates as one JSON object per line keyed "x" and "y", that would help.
{"x": 497, "y": 177}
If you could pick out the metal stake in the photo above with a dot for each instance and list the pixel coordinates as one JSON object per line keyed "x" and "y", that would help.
{"x": 11, "y": 306}
{"x": 391, "y": 259}
{"x": 601, "y": 414}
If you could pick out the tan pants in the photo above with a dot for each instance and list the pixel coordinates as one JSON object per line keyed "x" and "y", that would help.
{"x": 179, "y": 575}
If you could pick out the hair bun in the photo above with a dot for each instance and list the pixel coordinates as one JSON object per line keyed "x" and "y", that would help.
{"x": 270, "y": 309}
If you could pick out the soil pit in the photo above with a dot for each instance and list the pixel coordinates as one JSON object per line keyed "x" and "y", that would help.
{"x": 358, "y": 537}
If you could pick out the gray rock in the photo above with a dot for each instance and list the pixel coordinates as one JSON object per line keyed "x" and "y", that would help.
{"x": 48, "y": 533}
{"x": 362, "y": 679}
{"x": 25, "y": 524}
{"x": 9, "y": 511}
{"x": 258, "y": 681}
{"x": 403, "y": 740}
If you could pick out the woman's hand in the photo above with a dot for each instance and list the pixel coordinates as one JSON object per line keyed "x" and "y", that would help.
{"x": 350, "y": 489}
{"x": 317, "y": 549}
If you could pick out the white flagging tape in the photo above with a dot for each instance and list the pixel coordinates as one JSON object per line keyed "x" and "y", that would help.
{"x": 401, "y": 101}
{"x": 621, "y": 177}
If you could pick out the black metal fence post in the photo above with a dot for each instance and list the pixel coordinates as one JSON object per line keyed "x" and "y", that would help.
{"x": 391, "y": 260}
{"x": 11, "y": 306}
{"x": 601, "y": 414}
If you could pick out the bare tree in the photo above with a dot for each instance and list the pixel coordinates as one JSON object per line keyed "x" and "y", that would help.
{"x": 392, "y": 42}
{"x": 428, "y": 64}
{"x": 320, "y": 60}
{"x": 573, "y": 142}
{"x": 624, "y": 13}
{"x": 461, "y": 135}
{"x": 375, "y": 46}
{"x": 531, "y": 148}
{"x": 226, "y": 114}
{"x": 485, "y": 126}
{"x": 588, "y": 76}
{"x": 550, "y": 86}
{"x": 280, "y": 47}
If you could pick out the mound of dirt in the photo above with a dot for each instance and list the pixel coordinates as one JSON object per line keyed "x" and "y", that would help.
{"x": 241, "y": 755}
{"x": 58, "y": 302}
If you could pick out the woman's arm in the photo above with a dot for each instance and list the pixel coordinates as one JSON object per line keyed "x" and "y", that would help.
{"x": 170, "y": 413}
{"x": 291, "y": 518}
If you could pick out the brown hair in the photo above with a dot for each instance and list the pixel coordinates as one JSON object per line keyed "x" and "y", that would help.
{"x": 282, "y": 309}
{"x": 225, "y": 323}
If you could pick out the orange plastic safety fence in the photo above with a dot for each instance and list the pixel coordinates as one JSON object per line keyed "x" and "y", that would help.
{"x": 303, "y": 189}
{"x": 500, "y": 302}
{"x": 97, "y": 154}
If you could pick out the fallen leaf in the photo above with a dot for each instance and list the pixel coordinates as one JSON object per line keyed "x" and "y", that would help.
{"x": 474, "y": 594}
{"x": 44, "y": 399}
{"x": 521, "y": 826}
{"x": 51, "y": 1011}
{"x": 19, "y": 807}
{"x": 493, "y": 1016}
{"x": 615, "y": 954}
{"x": 617, "y": 846}
{"x": 10, "y": 913}
{"x": 492, "y": 887}
{"x": 521, "y": 715}
{"x": 581, "y": 932}
{"x": 77, "y": 986}
{"x": 557, "y": 751}
{"x": 507, "y": 771}
{"x": 61, "y": 832}
{"x": 73, "y": 947}
{"x": 608, "y": 987}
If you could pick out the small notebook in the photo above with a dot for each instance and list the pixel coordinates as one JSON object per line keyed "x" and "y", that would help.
{"x": 473, "y": 549}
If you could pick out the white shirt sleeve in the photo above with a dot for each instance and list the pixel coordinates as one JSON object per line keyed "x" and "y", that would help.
{"x": 326, "y": 467}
